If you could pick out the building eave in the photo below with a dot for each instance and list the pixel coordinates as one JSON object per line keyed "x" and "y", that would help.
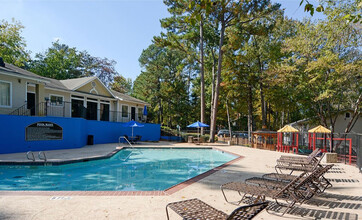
{"x": 15, "y": 74}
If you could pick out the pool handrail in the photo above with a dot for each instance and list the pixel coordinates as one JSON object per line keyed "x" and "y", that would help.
{"x": 40, "y": 158}
{"x": 27, "y": 156}
{"x": 124, "y": 137}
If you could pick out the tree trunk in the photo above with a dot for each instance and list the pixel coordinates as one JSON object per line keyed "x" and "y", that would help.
{"x": 228, "y": 115}
{"x": 250, "y": 111}
{"x": 212, "y": 83}
{"x": 262, "y": 102}
{"x": 268, "y": 112}
{"x": 355, "y": 115}
{"x": 263, "y": 106}
{"x": 161, "y": 112}
{"x": 217, "y": 85}
{"x": 202, "y": 82}
{"x": 275, "y": 122}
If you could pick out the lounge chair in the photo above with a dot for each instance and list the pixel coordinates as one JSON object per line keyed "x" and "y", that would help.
{"x": 278, "y": 181}
{"x": 324, "y": 182}
{"x": 298, "y": 190}
{"x": 138, "y": 138}
{"x": 197, "y": 209}
{"x": 308, "y": 165}
{"x": 311, "y": 156}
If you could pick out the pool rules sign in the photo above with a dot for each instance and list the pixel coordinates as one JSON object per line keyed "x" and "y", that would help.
{"x": 43, "y": 131}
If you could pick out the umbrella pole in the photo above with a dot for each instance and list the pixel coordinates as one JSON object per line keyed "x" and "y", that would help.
{"x": 199, "y": 133}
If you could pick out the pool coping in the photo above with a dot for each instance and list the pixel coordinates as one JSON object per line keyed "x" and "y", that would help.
{"x": 169, "y": 191}
{"x": 57, "y": 162}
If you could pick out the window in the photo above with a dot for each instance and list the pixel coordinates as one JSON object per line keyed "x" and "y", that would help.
{"x": 140, "y": 113}
{"x": 124, "y": 111}
{"x": 5, "y": 94}
{"x": 56, "y": 100}
{"x": 348, "y": 115}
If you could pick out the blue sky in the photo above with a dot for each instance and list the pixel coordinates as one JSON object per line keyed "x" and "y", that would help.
{"x": 116, "y": 29}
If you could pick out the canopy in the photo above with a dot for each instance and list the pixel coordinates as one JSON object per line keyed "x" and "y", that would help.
{"x": 319, "y": 129}
{"x": 287, "y": 129}
{"x": 133, "y": 124}
{"x": 145, "y": 110}
{"x": 197, "y": 125}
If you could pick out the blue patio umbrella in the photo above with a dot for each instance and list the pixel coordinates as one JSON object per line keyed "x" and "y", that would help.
{"x": 133, "y": 124}
{"x": 145, "y": 110}
{"x": 197, "y": 125}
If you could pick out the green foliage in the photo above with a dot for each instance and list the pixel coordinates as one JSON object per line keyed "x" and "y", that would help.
{"x": 12, "y": 44}
{"x": 122, "y": 85}
{"x": 275, "y": 69}
{"x": 353, "y": 15}
{"x": 163, "y": 84}
{"x": 63, "y": 62}
{"x": 323, "y": 69}
{"x": 59, "y": 62}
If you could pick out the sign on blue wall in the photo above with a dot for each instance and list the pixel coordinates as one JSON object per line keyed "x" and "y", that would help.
{"x": 74, "y": 133}
{"x": 43, "y": 131}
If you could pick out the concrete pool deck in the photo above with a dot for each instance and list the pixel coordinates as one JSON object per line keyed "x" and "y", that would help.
{"x": 346, "y": 181}
{"x": 86, "y": 152}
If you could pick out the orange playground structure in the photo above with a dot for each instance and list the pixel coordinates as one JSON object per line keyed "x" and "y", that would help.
{"x": 290, "y": 133}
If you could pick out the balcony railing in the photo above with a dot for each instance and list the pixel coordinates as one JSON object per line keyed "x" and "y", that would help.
{"x": 66, "y": 109}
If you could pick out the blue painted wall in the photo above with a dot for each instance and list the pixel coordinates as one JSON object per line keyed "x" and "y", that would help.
{"x": 109, "y": 132}
{"x": 75, "y": 132}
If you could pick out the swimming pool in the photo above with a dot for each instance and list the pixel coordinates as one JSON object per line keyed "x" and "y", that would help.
{"x": 145, "y": 169}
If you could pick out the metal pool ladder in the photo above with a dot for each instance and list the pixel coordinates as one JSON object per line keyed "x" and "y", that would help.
{"x": 129, "y": 155}
{"x": 27, "y": 156}
{"x": 119, "y": 141}
{"x": 42, "y": 158}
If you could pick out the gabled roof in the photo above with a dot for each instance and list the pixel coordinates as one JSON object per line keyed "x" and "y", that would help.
{"x": 76, "y": 83}
{"x": 125, "y": 97}
{"x": 288, "y": 129}
{"x": 56, "y": 84}
{"x": 73, "y": 84}
{"x": 319, "y": 129}
{"x": 67, "y": 85}
{"x": 17, "y": 71}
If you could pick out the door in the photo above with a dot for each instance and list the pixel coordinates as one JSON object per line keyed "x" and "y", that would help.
{"x": 31, "y": 103}
{"x": 78, "y": 110}
{"x": 104, "y": 112}
{"x": 133, "y": 113}
{"x": 91, "y": 111}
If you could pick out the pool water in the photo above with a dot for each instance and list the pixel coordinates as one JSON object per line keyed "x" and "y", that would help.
{"x": 144, "y": 169}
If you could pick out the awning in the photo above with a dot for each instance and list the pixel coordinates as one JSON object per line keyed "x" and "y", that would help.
{"x": 287, "y": 129}
{"x": 319, "y": 129}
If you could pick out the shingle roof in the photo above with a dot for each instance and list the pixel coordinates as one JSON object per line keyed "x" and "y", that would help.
{"x": 9, "y": 68}
{"x": 319, "y": 129}
{"x": 14, "y": 70}
{"x": 128, "y": 98}
{"x": 288, "y": 129}
{"x": 56, "y": 84}
{"x": 72, "y": 84}
{"x": 68, "y": 84}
